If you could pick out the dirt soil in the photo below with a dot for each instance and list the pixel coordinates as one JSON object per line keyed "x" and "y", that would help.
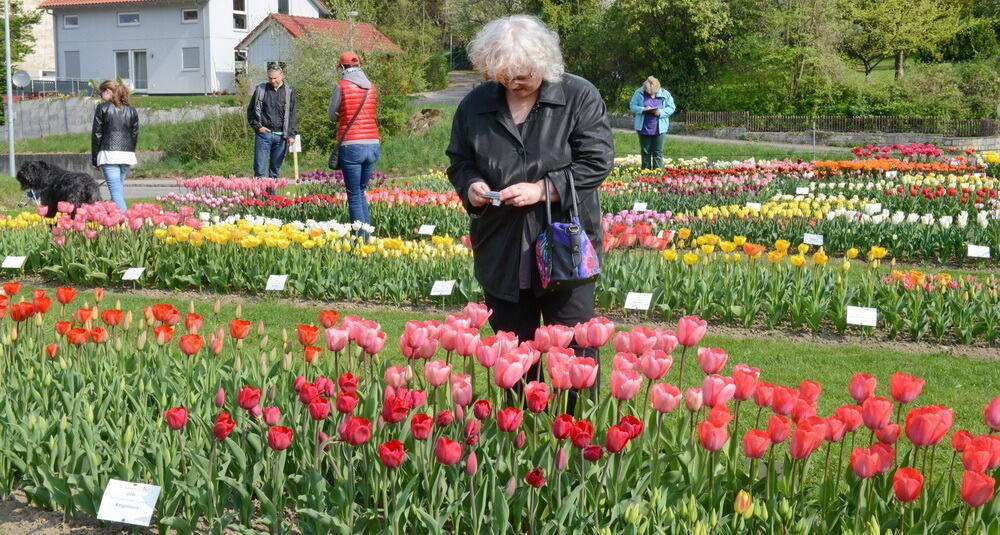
{"x": 17, "y": 517}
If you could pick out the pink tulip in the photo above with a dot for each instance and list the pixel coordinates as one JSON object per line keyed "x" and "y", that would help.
{"x": 582, "y": 372}
{"x": 272, "y": 415}
{"x": 336, "y": 338}
{"x": 625, "y": 384}
{"x": 991, "y": 415}
{"x": 862, "y": 387}
{"x": 508, "y": 370}
{"x": 488, "y": 351}
{"x": 395, "y": 376}
{"x": 875, "y": 412}
{"x": 557, "y": 363}
{"x": 692, "y": 399}
{"x": 666, "y": 397}
{"x": 637, "y": 341}
{"x": 717, "y": 390}
{"x": 809, "y": 390}
{"x": 477, "y": 314}
{"x": 436, "y": 372}
{"x": 690, "y": 331}
{"x": 654, "y": 364}
{"x": 711, "y": 359}
{"x": 594, "y": 333}
{"x": 745, "y": 378}
{"x": 549, "y": 336}
{"x": 466, "y": 342}
{"x": 666, "y": 340}
{"x": 461, "y": 389}
{"x": 624, "y": 361}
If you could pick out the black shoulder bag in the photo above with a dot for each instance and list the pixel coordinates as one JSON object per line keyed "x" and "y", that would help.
{"x": 333, "y": 162}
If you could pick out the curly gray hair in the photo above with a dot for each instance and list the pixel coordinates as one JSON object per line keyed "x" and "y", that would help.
{"x": 509, "y": 44}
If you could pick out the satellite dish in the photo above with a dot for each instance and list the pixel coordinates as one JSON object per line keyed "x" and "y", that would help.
{"x": 21, "y": 79}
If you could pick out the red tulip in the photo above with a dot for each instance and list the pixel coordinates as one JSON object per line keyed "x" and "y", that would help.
{"x": 905, "y": 388}
{"x": 447, "y": 452}
{"x": 876, "y": 411}
{"x": 633, "y": 425}
{"x": 420, "y": 426}
{"x": 745, "y": 378}
{"x": 562, "y": 426}
{"x": 809, "y": 434}
{"x": 536, "y": 394}
{"x": 810, "y": 390}
{"x": 720, "y": 416}
{"x": 593, "y": 452}
{"x": 307, "y": 334}
{"x": 77, "y": 336}
{"x": 391, "y": 453}
{"x": 356, "y": 431}
{"x": 509, "y": 419}
{"x": 991, "y": 415}
{"x": 62, "y": 327}
{"x": 471, "y": 464}
{"x": 51, "y": 350}
{"x": 778, "y": 428}
{"x": 862, "y": 387}
{"x": 82, "y": 315}
{"x": 977, "y": 488}
{"x": 309, "y": 353}
{"x": 395, "y": 409}
{"x": 444, "y": 418}
{"x": 11, "y": 288}
{"x": 176, "y": 417}
{"x": 886, "y": 456}
{"x": 785, "y": 399}
{"x": 191, "y": 343}
{"x": 192, "y": 322}
{"x": 272, "y": 415}
{"x": 616, "y": 439}
{"x": 319, "y": 408}
{"x": 224, "y": 425}
{"x": 41, "y": 304}
{"x": 690, "y": 330}
{"x": 763, "y": 395}
{"x": 279, "y": 437}
{"x": 888, "y": 434}
{"x": 712, "y": 436}
{"x": 65, "y": 294}
{"x": 803, "y": 409}
{"x": 239, "y": 329}
{"x": 98, "y": 335}
{"x": 755, "y": 443}
{"x": 960, "y": 440}
{"x": 907, "y": 484}
{"x": 864, "y": 462}
{"x": 535, "y": 477}
{"x": 328, "y": 318}
{"x": 926, "y": 426}
{"x": 346, "y": 402}
{"x": 582, "y": 433}
{"x": 482, "y": 409}
{"x": 111, "y": 317}
{"x": 163, "y": 334}
{"x": 665, "y": 397}
{"x": 248, "y": 397}
{"x": 851, "y": 415}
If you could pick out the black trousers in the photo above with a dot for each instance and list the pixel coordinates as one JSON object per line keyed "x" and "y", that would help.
{"x": 551, "y": 308}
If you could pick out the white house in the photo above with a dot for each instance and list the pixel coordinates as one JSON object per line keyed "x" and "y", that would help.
{"x": 271, "y": 41}
{"x": 161, "y": 46}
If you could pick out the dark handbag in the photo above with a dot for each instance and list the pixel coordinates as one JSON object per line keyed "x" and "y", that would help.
{"x": 566, "y": 258}
{"x": 333, "y": 162}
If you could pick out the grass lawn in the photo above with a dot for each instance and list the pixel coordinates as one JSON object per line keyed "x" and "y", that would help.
{"x": 166, "y": 102}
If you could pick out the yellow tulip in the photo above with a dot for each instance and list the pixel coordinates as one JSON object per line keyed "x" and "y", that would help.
{"x": 797, "y": 260}
{"x": 852, "y": 253}
{"x": 690, "y": 259}
{"x": 669, "y": 254}
{"x": 803, "y": 248}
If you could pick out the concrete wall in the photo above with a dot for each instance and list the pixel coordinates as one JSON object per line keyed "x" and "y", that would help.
{"x": 75, "y": 162}
{"x": 49, "y": 117}
{"x": 851, "y": 139}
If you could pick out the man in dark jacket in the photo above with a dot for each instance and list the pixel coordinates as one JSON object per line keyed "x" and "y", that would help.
{"x": 271, "y": 114}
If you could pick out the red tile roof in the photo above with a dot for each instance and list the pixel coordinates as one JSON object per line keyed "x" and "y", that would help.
{"x": 366, "y": 37}
{"x": 71, "y": 3}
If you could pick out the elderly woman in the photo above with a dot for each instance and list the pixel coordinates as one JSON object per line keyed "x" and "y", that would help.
{"x": 652, "y": 106}
{"x": 530, "y": 121}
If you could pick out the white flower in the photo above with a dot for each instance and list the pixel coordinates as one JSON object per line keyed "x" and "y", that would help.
{"x": 912, "y": 218}
{"x": 945, "y": 221}
{"x": 898, "y": 217}
{"x": 927, "y": 219}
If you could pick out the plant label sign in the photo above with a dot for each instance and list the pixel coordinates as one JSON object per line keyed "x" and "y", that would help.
{"x": 13, "y": 262}
{"x": 979, "y": 251}
{"x": 865, "y": 316}
{"x": 638, "y": 301}
{"x": 802, "y": 191}
{"x": 873, "y": 208}
{"x": 890, "y": 174}
{"x": 426, "y": 230}
{"x": 128, "y": 503}
{"x": 639, "y": 207}
{"x": 276, "y": 283}
{"x": 443, "y": 288}
{"x": 812, "y": 239}
{"x": 297, "y": 146}
{"x": 754, "y": 206}
{"x": 132, "y": 273}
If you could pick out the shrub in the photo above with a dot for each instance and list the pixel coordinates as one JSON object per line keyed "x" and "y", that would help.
{"x": 222, "y": 137}
{"x": 437, "y": 72}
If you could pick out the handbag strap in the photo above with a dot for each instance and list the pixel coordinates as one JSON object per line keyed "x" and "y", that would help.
{"x": 355, "y": 118}
{"x": 548, "y": 203}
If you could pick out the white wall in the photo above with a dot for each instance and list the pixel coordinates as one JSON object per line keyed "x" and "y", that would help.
{"x": 274, "y": 44}
{"x": 162, "y": 34}
{"x": 44, "y": 56}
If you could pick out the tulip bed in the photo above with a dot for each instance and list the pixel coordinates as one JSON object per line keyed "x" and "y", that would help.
{"x": 342, "y": 424}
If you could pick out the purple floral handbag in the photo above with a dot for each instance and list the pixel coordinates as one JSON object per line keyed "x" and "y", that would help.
{"x": 566, "y": 258}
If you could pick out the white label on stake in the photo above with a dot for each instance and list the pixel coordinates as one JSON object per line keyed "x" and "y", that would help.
{"x": 443, "y": 287}
{"x": 802, "y": 191}
{"x": 890, "y": 174}
{"x": 639, "y": 207}
{"x": 979, "y": 251}
{"x": 426, "y": 230}
{"x": 297, "y": 146}
{"x": 754, "y": 205}
{"x": 13, "y": 262}
{"x": 276, "y": 283}
{"x": 133, "y": 273}
{"x": 865, "y": 316}
{"x": 812, "y": 239}
{"x": 638, "y": 301}
{"x": 128, "y": 503}
{"x": 873, "y": 208}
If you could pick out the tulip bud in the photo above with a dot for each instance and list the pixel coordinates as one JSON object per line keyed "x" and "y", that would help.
{"x": 263, "y": 341}
{"x": 409, "y": 373}
{"x": 13, "y": 333}
{"x": 284, "y": 334}
{"x": 632, "y": 514}
{"x": 562, "y": 459}
{"x": 510, "y": 487}
{"x": 263, "y": 363}
{"x": 743, "y": 504}
{"x": 37, "y": 319}
{"x": 288, "y": 361}
{"x": 471, "y": 464}
{"x": 220, "y": 397}
{"x": 239, "y": 310}
{"x": 127, "y": 322}
{"x": 129, "y": 434}
{"x": 218, "y": 306}
{"x": 47, "y": 380}
{"x": 117, "y": 343}
{"x": 142, "y": 323}
{"x": 519, "y": 440}
{"x": 63, "y": 365}
{"x": 785, "y": 510}
{"x": 260, "y": 327}
{"x": 271, "y": 392}
{"x": 237, "y": 363}
{"x": 64, "y": 423}
{"x": 761, "y": 513}
{"x": 140, "y": 341}
{"x": 90, "y": 414}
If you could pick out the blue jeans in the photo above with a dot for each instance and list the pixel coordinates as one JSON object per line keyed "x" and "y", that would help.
{"x": 115, "y": 175}
{"x": 268, "y": 154}
{"x": 357, "y": 163}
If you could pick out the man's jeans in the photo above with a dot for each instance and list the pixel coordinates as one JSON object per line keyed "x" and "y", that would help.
{"x": 115, "y": 175}
{"x": 357, "y": 162}
{"x": 268, "y": 154}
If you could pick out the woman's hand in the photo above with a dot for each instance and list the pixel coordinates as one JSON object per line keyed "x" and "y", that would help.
{"x": 476, "y": 191}
{"x": 522, "y": 194}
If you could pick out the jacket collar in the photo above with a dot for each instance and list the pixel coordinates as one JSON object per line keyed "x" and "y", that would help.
{"x": 548, "y": 93}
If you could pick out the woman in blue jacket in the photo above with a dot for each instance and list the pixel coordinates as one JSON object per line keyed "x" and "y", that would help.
{"x": 652, "y": 106}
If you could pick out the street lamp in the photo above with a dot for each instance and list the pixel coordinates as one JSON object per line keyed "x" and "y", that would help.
{"x": 9, "y": 117}
{"x": 351, "y": 15}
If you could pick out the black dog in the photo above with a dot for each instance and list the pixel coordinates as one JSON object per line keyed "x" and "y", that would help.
{"x": 54, "y": 184}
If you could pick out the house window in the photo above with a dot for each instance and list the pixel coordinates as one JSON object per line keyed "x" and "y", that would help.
{"x": 72, "y": 67}
{"x": 71, "y": 21}
{"x": 189, "y": 16}
{"x": 283, "y": 6}
{"x": 191, "y": 60}
{"x": 239, "y": 14}
{"x": 240, "y": 62}
{"x": 128, "y": 19}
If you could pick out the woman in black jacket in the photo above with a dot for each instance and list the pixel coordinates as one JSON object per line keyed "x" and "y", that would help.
{"x": 529, "y": 122}
{"x": 113, "y": 138}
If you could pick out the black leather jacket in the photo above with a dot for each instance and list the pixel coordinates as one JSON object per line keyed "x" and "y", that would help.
{"x": 114, "y": 129}
{"x": 568, "y": 131}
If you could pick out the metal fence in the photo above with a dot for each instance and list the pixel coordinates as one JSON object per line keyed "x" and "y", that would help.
{"x": 60, "y": 86}
{"x": 873, "y": 123}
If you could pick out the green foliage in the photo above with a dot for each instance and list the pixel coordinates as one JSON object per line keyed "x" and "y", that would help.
{"x": 220, "y": 138}
{"x": 22, "y": 41}
{"x": 977, "y": 39}
{"x": 437, "y": 72}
